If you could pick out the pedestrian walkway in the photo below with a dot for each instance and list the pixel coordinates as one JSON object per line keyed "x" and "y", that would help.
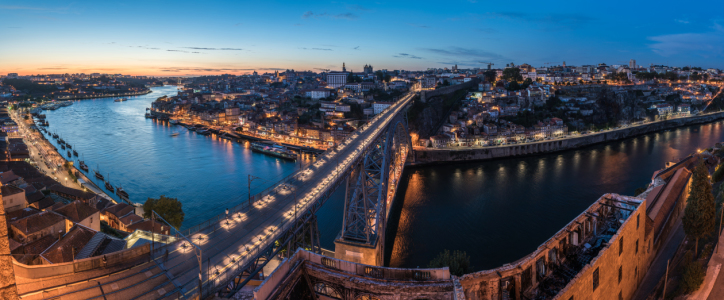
{"x": 658, "y": 266}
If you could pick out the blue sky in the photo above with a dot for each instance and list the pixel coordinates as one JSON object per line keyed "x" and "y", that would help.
{"x": 154, "y": 37}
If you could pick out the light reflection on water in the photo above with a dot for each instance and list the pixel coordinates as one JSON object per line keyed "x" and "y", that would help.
{"x": 516, "y": 204}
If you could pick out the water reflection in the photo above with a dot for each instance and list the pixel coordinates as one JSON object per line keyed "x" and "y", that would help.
{"x": 498, "y": 218}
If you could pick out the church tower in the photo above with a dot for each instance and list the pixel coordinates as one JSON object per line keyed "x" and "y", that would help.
{"x": 344, "y": 69}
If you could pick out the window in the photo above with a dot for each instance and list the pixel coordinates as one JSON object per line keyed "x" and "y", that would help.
{"x": 328, "y": 262}
{"x": 595, "y": 279}
{"x": 637, "y": 221}
{"x": 620, "y": 273}
{"x": 620, "y": 246}
{"x": 637, "y": 247}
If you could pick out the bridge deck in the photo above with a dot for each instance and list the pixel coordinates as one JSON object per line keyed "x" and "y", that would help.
{"x": 230, "y": 245}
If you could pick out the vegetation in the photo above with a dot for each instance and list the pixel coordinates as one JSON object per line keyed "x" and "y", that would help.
{"x": 458, "y": 262}
{"x": 383, "y": 76}
{"x": 170, "y": 209}
{"x": 693, "y": 276}
{"x": 718, "y": 174}
{"x": 512, "y": 74}
{"x": 699, "y": 215}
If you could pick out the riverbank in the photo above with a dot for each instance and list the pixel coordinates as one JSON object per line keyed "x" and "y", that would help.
{"x": 147, "y": 91}
{"x": 428, "y": 156}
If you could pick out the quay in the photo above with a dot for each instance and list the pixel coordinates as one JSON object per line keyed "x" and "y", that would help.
{"x": 426, "y": 156}
{"x": 147, "y": 91}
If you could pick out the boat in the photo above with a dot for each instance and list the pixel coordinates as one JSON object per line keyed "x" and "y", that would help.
{"x": 98, "y": 174}
{"x": 75, "y": 153}
{"x": 274, "y": 150}
{"x": 174, "y": 134}
{"x": 122, "y": 193}
{"x": 109, "y": 186}
{"x": 120, "y": 100}
{"x": 174, "y": 122}
{"x": 69, "y": 146}
{"x": 82, "y": 166}
{"x": 69, "y": 154}
{"x": 62, "y": 146}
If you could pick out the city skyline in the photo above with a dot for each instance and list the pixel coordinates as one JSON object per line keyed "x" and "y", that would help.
{"x": 187, "y": 39}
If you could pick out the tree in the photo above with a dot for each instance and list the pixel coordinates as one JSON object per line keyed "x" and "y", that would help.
{"x": 490, "y": 75}
{"x": 693, "y": 275}
{"x": 512, "y": 74}
{"x": 458, "y": 262}
{"x": 700, "y": 213}
{"x": 170, "y": 209}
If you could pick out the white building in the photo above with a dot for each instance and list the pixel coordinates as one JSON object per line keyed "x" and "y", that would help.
{"x": 336, "y": 79}
{"x": 378, "y": 107}
{"x": 317, "y": 93}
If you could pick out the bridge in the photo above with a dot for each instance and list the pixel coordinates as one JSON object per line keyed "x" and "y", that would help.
{"x": 221, "y": 255}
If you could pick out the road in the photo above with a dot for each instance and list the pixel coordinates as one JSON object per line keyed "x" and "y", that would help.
{"x": 233, "y": 242}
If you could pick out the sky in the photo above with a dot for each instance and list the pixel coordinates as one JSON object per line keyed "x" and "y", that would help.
{"x": 187, "y": 38}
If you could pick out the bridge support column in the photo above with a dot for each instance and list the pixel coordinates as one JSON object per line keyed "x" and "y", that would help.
{"x": 363, "y": 253}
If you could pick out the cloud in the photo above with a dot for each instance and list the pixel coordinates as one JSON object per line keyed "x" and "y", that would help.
{"x": 14, "y": 27}
{"x": 356, "y": 48}
{"x": 217, "y": 70}
{"x": 318, "y": 49}
{"x": 465, "y": 56}
{"x": 346, "y": 16}
{"x": 298, "y": 24}
{"x": 405, "y": 55}
{"x": 35, "y": 8}
{"x": 682, "y": 21}
{"x": 418, "y": 25}
{"x": 706, "y": 44}
{"x": 486, "y": 30}
{"x": 213, "y": 49}
{"x": 57, "y": 68}
{"x": 237, "y": 24}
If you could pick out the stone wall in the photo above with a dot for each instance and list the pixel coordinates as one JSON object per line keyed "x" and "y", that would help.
{"x": 528, "y": 277}
{"x": 8, "y": 288}
{"x": 429, "y": 155}
{"x": 425, "y": 95}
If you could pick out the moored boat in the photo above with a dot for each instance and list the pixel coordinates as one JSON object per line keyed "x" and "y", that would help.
{"x": 122, "y": 193}
{"x": 120, "y": 100}
{"x": 83, "y": 166}
{"x": 98, "y": 174}
{"x": 274, "y": 150}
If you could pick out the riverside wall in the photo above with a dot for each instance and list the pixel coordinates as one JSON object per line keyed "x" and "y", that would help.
{"x": 431, "y": 156}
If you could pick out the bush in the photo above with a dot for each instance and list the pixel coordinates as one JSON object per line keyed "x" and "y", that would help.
{"x": 718, "y": 174}
{"x": 458, "y": 262}
{"x": 692, "y": 278}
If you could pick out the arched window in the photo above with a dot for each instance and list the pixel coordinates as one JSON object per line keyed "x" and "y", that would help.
{"x": 326, "y": 290}
{"x": 366, "y": 297}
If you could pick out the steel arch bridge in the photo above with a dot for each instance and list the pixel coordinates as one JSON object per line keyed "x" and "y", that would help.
{"x": 233, "y": 248}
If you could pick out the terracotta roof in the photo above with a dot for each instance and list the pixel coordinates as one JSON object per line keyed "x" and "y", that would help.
{"x": 9, "y": 190}
{"x": 38, "y": 246}
{"x": 34, "y": 197}
{"x": 119, "y": 210}
{"x": 73, "y": 192}
{"x": 14, "y": 244}
{"x": 77, "y": 211}
{"x": 130, "y": 219}
{"x": 69, "y": 245}
{"x": 37, "y": 222}
{"x": 8, "y": 176}
{"x": 146, "y": 225}
{"x": 22, "y": 213}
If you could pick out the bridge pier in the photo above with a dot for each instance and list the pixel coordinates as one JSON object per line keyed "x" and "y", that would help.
{"x": 363, "y": 253}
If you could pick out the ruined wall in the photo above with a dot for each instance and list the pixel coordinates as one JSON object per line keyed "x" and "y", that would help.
{"x": 429, "y": 155}
{"x": 8, "y": 288}
{"x": 632, "y": 261}
{"x": 513, "y": 280}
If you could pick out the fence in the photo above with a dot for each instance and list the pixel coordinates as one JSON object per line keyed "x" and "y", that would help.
{"x": 137, "y": 254}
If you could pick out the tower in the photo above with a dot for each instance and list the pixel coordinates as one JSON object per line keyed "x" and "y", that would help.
{"x": 344, "y": 69}
{"x": 564, "y": 64}
{"x": 632, "y": 64}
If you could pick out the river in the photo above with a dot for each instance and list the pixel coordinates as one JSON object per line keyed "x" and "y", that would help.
{"x": 497, "y": 211}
